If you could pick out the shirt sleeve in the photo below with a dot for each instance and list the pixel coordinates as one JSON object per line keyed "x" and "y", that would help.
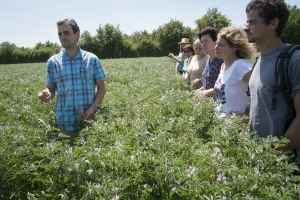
{"x": 50, "y": 79}
{"x": 98, "y": 70}
{"x": 294, "y": 70}
{"x": 242, "y": 68}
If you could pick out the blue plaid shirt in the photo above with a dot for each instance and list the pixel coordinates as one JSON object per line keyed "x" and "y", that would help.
{"x": 75, "y": 86}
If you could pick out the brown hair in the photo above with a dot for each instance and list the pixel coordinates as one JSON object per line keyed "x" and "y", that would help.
{"x": 268, "y": 10}
{"x": 71, "y": 22}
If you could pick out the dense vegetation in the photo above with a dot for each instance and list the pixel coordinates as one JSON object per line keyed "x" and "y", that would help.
{"x": 110, "y": 42}
{"x": 150, "y": 140}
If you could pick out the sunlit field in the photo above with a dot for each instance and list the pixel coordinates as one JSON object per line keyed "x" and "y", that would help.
{"x": 151, "y": 140}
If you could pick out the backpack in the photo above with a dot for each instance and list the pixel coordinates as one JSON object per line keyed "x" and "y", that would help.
{"x": 283, "y": 84}
{"x": 283, "y": 81}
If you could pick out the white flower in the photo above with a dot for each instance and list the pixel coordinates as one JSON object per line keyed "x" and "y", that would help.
{"x": 192, "y": 119}
{"x": 191, "y": 171}
{"x": 131, "y": 159}
{"x": 171, "y": 140}
{"x": 119, "y": 146}
{"x": 116, "y": 198}
{"x": 171, "y": 120}
{"x": 26, "y": 107}
{"x": 256, "y": 169}
{"x": 217, "y": 152}
{"x": 221, "y": 177}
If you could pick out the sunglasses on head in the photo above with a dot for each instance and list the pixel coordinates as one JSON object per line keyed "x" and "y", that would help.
{"x": 71, "y": 20}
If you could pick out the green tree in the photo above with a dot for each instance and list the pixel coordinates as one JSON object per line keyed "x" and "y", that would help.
{"x": 109, "y": 38}
{"x": 291, "y": 33}
{"x": 6, "y": 52}
{"x": 89, "y": 43}
{"x": 212, "y": 18}
{"x": 169, "y": 34}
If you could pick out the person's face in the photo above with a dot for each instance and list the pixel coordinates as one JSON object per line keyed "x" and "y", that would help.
{"x": 255, "y": 28}
{"x": 207, "y": 43}
{"x": 66, "y": 36}
{"x": 188, "y": 53}
{"x": 198, "y": 48}
{"x": 222, "y": 48}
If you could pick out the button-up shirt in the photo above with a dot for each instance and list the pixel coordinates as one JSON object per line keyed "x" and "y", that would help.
{"x": 75, "y": 86}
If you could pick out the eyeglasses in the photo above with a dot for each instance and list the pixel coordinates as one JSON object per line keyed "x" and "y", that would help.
{"x": 71, "y": 20}
{"x": 186, "y": 51}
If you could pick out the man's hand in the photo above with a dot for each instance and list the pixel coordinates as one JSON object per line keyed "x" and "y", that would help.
{"x": 45, "y": 95}
{"x": 89, "y": 114}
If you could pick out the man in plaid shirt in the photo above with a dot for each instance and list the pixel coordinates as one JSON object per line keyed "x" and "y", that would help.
{"x": 73, "y": 74}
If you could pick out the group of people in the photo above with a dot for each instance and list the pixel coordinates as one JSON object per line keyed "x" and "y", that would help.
{"x": 215, "y": 64}
{"x": 227, "y": 76}
{"x": 220, "y": 68}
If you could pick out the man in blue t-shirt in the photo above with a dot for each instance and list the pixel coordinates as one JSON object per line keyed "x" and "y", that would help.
{"x": 264, "y": 27}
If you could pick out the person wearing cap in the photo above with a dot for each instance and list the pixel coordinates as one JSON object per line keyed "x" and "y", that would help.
{"x": 73, "y": 74}
{"x": 179, "y": 60}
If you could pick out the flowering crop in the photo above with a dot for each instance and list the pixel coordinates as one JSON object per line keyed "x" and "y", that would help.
{"x": 150, "y": 140}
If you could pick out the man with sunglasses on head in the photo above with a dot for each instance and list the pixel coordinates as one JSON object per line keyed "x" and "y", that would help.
{"x": 73, "y": 74}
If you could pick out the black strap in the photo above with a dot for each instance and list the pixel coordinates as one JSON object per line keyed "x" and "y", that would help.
{"x": 248, "y": 92}
{"x": 283, "y": 82}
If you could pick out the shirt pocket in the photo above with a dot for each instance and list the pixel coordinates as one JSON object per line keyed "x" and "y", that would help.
{"x": 86, "y": 73}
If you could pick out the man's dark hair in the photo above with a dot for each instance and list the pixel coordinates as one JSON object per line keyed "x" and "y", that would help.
{"x": 268, "y": 10}
{"x": 211, "y": 31}
{"x": 71, "y": 22}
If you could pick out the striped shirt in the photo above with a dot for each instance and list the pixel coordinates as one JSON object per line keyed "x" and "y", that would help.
{"x": 75, "y": 86}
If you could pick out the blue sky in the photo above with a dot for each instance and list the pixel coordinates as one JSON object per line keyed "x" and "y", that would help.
{"x": 27, "y": 22}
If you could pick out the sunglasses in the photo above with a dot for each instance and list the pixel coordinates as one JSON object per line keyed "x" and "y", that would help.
{"x": 71, "y": 20}
{"x": 187, "y": 51}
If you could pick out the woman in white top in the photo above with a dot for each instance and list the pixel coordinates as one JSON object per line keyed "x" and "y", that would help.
{"x": 197, "y": 65}
{"x": 232, "y": 83}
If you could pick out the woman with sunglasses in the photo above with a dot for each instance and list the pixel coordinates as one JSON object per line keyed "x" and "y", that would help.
{"x": 188, "y": 54}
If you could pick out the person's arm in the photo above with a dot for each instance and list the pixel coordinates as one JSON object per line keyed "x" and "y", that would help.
{"x": 176, "y": 59}
{"x": 293, "y": 132}
{"x": 247, "y": 76}
{"x": 47, "y": 94}
{"x": 205, "y": 93}
{"x": 89, "y": 114}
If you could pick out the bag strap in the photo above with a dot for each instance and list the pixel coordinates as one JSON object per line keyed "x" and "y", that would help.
{"x": 283, "y": 82}
{"x": 248, "y": 92}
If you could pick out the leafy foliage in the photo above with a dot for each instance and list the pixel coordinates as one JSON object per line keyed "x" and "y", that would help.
{"x": 291, "y": 33}
{"x": 150, "y": 140}
{"x": 169, "y": 34}
{"x": 212, "y": 18}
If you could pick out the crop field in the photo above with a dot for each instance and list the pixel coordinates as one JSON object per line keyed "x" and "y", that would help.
{"x": 150, "y": 140}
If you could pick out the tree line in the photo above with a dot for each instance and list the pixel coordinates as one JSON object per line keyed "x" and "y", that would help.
{"x": 110, "y": 42}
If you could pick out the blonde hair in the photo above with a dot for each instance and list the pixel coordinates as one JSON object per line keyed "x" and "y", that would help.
{"x": 237, "y": 38}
